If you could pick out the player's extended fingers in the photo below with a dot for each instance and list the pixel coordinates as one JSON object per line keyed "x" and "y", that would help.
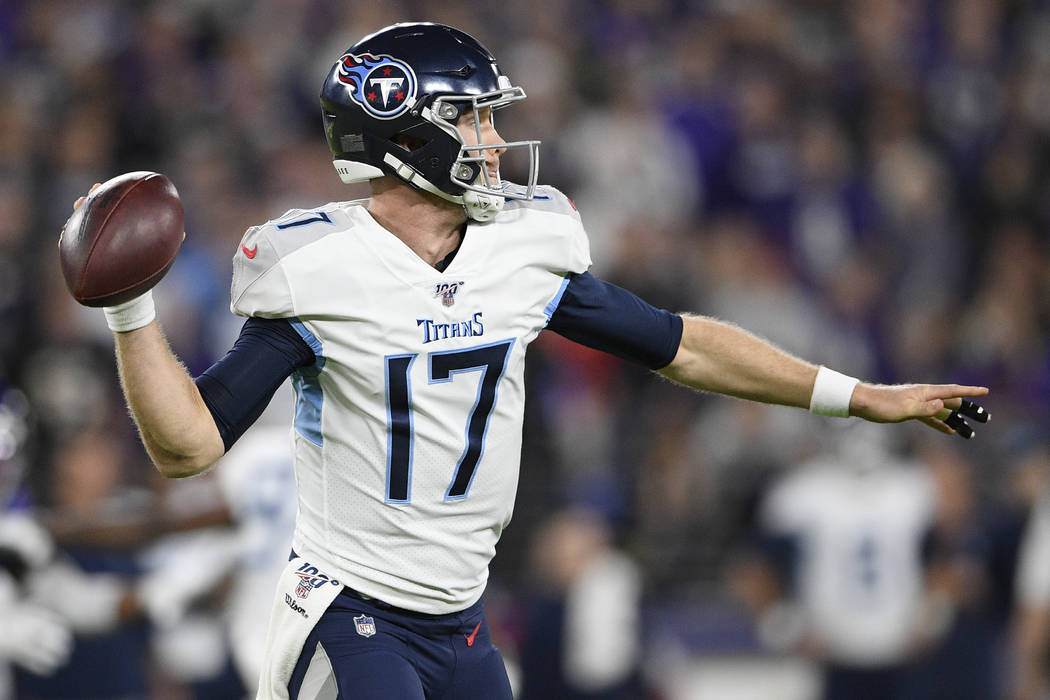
{"x": 956, "y": 423}
{"x": 937, "y": 424}
{"x": 945, "y": 398}
{"x": 971, "y": 410}
{"x": 953, "y": 394}
{"x": 956, "y": 420}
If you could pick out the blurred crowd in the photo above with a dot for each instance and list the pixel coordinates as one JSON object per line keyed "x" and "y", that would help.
{"x": 865, "y": 183}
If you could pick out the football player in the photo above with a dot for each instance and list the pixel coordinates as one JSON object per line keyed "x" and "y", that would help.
{"x": 850, "y": 524}
{"x": 403, "y": 321}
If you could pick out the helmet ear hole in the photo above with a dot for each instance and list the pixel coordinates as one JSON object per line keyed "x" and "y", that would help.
{"x": 408, "y": 141}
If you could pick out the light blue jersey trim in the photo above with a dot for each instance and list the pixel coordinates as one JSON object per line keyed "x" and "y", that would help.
{"x": 309, "y": 397}
{"x": 552, "y": 306}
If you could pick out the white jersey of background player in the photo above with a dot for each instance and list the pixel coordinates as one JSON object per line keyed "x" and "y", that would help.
{"x": 859, "y": 515}
{"x": 258, "y": 488}
{"x": 410, "y": 517}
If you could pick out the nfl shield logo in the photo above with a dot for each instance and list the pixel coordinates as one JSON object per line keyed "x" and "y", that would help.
{"x": 447, "y": 291}
{"x": 366, "y": 626}
{"x": 303, "y": 589}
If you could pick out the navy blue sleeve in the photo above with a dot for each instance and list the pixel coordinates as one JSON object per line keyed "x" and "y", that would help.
{"x": 605, "y": 317}
{"x": 238, "y": 387}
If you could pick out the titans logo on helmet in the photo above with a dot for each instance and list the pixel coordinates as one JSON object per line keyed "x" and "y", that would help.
{"x": 384, "y": 86}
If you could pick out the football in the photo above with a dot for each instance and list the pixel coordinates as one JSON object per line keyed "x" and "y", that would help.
{"x": 122, "y": 239}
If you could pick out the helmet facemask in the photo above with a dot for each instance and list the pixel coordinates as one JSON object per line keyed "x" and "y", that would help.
{"x": 483, "y": 197}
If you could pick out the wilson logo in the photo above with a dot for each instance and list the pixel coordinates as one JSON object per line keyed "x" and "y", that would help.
{"x": 290, "y": 602}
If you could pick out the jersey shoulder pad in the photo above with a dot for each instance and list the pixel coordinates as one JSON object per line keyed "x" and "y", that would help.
{"x": 260, "y": 286}
{"x": 545, "y": 198}
{"x": 555, "y": 227}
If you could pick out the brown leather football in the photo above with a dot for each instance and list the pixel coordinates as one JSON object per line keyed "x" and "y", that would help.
{"x": 122, "y": 239}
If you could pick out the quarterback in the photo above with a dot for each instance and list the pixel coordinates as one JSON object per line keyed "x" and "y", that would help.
{"x": 403, "y": 321}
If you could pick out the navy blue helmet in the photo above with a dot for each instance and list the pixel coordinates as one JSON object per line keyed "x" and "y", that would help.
{"x": 390, "y": 106}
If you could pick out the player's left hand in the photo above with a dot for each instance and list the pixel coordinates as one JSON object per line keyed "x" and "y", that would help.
{"x": 943, "y": 407}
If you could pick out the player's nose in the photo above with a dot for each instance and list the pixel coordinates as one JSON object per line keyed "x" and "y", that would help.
{"x": 491, "y": 136}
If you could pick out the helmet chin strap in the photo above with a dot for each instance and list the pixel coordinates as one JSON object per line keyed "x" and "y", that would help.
{"x": 478, "y": 205}
{"x": 482, "y": 207}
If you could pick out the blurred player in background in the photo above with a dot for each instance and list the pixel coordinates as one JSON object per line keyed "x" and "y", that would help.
{"x": 850, "y": 526}
{"x": 45, "y": 596}
{"x": 31, "y": 636}
{"x": 258, "y": 487}
{"x": 883, "y": 571}
{"x": 209, "y": 551}
{"x": 403, "y": 321}
{"x": 1030, "y": 675}
{"x": 584, "y": 633}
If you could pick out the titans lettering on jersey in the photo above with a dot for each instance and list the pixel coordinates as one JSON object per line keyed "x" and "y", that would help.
{"x": 408, "y": 433}
{"x": 443, "y": 330}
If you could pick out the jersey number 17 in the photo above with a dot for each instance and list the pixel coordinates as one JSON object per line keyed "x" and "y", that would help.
{"x": 491, "y": 361}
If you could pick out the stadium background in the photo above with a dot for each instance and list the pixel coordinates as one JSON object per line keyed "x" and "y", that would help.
{"x": 864, "y": 183}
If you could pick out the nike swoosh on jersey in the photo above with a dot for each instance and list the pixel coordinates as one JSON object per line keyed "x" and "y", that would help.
{"x": 470, "y": 637}
{"x": 250, "y": 252}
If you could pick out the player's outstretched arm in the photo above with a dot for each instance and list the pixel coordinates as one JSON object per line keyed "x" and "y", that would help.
{"x": 723, "y": 358}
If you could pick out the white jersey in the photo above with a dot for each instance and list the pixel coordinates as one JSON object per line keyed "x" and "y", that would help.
{"x": 860, "y": 575}
{"x": 258, "y": 486}
{"x": 1033, "y": 560}
{"x": 408, "y": 427}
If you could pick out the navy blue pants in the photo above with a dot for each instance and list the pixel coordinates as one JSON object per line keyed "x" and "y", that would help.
{"x": 365, "y": 649}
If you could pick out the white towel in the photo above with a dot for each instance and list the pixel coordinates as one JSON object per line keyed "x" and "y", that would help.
{"x": 303, "y": 594}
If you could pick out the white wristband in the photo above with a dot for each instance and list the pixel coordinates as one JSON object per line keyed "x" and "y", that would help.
{"x": 131, "y": 314}
{"x": 832, "y": 392}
